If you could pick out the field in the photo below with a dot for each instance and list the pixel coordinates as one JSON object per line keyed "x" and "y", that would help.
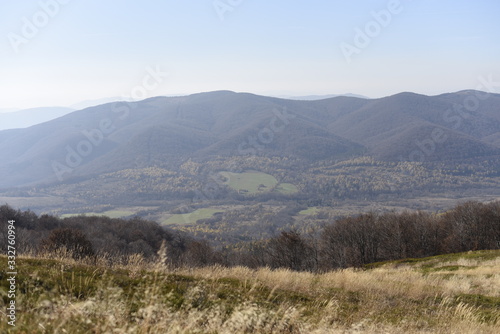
{"x": 249, "y": 182}
{"x": 286, "y": 188}
{"x": 309, "y": 211}
{"x": 455, "y": 293}
{"x": 192, "y": 217}
{"x": 256, "y": 182}
{"x": 109, "y": 213}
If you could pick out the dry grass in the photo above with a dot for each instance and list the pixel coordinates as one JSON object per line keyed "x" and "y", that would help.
{"x": 471, "y": 277}
{"x": 439, "y": 295}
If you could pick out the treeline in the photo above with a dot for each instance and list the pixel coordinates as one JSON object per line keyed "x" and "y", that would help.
{"x": 372, "y": 237}
{"x": 348, "y": 242}
{"x": 98, "y": 237}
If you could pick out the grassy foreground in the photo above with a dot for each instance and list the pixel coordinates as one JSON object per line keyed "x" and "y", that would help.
{"x": 457, "y": 293}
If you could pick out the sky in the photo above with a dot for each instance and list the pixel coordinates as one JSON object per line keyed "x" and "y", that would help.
{"x": 60, "y": 52}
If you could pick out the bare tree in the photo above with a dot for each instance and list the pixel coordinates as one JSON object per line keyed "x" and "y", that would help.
{"x": 71, "y": 240}
{"x": 290, "y": 250}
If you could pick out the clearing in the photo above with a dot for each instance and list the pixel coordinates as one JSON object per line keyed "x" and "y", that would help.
{"x": 192, "y": 217}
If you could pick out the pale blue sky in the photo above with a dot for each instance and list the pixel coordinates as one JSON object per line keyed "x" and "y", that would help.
{"x": 93, "y": 49}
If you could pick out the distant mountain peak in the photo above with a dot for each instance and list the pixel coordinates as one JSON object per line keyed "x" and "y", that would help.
{"x": 29, "y": 117}
{"x": 321, "y": 97}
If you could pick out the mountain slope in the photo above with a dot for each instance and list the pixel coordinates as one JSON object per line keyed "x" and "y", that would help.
{"x": 166, "y": 132}
{"x": 29, "y": 117}
{"x": 398, "y": 125}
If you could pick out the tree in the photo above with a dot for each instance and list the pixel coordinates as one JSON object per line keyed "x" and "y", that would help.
{"x": 290, "y": 250}
{"x": 198, "y": 254}
{"x": 72, "y": 240}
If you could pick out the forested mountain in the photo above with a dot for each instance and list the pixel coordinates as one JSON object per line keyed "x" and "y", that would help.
{"x": 168, "y": 131}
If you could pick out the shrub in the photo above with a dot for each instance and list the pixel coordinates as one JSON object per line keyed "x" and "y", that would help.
{"x": 72, "y": 240}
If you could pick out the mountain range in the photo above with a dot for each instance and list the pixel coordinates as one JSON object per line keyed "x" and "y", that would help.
{"x": 167, "y": 131}
{"x": 28, "y": 117}
{"x": 320, "y": 97}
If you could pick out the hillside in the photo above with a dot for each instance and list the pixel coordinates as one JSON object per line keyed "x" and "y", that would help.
{"x": 161, "y": 153}
{"x": 447, "y": 294}
{"x": 167, "y": 131}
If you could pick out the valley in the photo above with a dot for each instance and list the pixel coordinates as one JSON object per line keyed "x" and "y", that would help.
{"x": 234, "y": 166}
{"x": 204, "y": 162}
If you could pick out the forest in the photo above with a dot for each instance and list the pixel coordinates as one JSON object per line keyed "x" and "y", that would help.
{"x": 352, "y": 241}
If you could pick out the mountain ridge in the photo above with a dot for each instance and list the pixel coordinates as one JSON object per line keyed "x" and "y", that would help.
{"x": 170, "y": 130}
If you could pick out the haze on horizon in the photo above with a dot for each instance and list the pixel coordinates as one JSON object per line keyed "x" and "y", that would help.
{"x": 61, "y": 52}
